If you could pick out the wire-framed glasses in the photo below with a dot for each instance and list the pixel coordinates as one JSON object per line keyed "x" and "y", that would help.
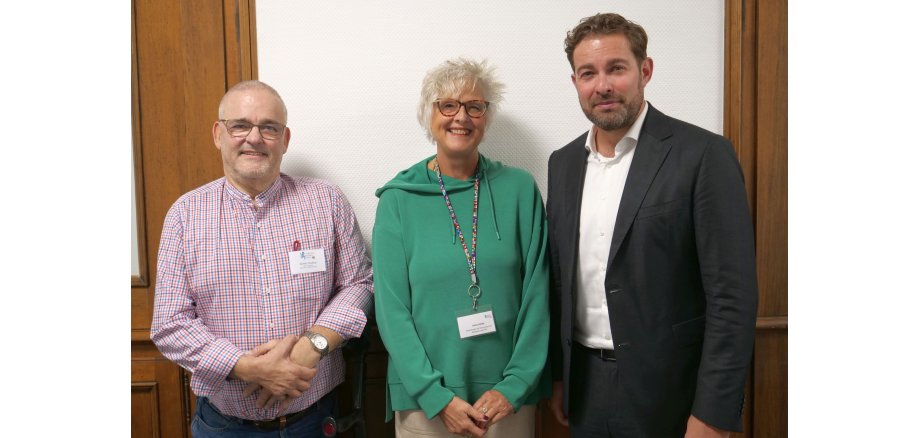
{"x": 241, "y": 128}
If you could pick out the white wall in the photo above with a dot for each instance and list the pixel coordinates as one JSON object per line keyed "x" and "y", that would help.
{"x": 350, "y": 73}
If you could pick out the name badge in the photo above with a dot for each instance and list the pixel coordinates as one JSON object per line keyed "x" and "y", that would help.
{"x": 308, "y": 260}
{"x": 481, "y": 322}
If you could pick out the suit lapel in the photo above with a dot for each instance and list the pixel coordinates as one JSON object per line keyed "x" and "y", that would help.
{"x": 574, "y": 187}
{"x": 650, "y": 152}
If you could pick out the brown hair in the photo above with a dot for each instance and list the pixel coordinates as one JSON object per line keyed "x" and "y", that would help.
{"x": 607, "y": 24}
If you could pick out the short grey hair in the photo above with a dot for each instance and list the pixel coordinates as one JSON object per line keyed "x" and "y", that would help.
{"x": 251, "y": 85}
{"x": 454, "y": 77}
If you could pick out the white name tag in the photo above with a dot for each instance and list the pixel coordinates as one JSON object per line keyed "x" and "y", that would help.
{"x": 475, "y": 324}
{"x": 306, "y": 261}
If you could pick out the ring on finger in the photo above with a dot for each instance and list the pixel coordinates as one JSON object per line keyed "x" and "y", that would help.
{"x": 483, "y": 409}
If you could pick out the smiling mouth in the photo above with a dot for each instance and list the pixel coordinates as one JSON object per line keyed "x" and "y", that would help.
{"x": 253, "y": 154}
{"x": 458, "y": 131}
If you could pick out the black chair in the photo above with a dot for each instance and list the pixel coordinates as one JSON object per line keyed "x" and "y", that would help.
{"x": 356, "y": 349}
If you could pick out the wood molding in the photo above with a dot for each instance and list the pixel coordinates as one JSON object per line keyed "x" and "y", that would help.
{"x": 141, "y": 280}
{"x": 740, "y": 92}
{"x": 772, "y": 323}
{"x": 240, "y": 41}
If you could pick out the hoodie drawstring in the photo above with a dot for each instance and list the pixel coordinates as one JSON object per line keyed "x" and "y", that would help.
{"x": 491, "y": 203}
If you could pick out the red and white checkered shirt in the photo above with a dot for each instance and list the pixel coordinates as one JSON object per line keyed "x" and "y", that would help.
{"x": 225, "y": 286}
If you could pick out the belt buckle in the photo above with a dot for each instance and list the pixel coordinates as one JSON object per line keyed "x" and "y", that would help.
{"x": 282, "y": 422}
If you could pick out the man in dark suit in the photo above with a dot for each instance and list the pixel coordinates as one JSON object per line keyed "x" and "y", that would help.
{"x": 654, "y": 289}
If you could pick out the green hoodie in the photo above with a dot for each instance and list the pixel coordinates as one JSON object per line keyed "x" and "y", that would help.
{"x": 420, "y": 284}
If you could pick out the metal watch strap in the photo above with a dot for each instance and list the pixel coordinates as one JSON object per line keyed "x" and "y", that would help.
{"x": 323, "y": 352}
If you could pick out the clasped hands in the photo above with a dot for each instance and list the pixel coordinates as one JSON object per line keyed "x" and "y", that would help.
{"x": 463, "y": 419}
{"x": 280, "y": 370}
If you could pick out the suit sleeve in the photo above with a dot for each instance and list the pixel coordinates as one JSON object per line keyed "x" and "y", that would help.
{"x": 394, "y": 312}
{"x": 725, "y": 247}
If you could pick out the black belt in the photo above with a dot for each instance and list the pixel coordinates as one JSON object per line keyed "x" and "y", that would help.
{"x": 608, "y": 355}
{"x": 281, "y": 422}
{"x": 278, "y": 423}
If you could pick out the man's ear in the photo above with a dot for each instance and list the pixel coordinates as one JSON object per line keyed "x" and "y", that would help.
{"x": 646, "y": 69}
{"x": 215, "y": 131}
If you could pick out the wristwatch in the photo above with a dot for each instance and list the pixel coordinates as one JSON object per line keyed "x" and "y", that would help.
{"x": 320, "y": 343}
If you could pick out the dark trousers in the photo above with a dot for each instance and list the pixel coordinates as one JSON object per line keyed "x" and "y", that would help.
{"x": 592, "y": 395}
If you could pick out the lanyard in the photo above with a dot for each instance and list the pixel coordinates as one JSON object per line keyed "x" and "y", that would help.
{"x": 470, "y": 255}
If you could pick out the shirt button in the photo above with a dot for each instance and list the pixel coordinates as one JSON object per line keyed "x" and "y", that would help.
{"x": 603, "y": 268}
{"x": 607, "y": 337}
{"x": 264, "y": 257}
{"x": 272, "y": 325}
{"x": 603, "y": 234}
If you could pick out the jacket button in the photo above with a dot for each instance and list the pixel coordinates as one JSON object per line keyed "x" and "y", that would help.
{"x": 623, "y": 345}
{"x": 568, "y": 342}
{"x": 613, "y": 291}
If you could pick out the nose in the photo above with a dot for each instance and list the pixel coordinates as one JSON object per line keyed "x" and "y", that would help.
{"x": 254, "y": 136}
{"x": 603, "y": 85}
{"x": 461, "y": 114}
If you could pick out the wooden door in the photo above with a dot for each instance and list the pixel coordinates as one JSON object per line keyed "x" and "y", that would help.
{"x": 185, "y": 54}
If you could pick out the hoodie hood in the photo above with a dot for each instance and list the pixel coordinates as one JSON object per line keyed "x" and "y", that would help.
{"x": 419, "y": 179}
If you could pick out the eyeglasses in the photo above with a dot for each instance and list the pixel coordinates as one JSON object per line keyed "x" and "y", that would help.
{"x": 241, "y": 128}
{"x": 450, "y": 107}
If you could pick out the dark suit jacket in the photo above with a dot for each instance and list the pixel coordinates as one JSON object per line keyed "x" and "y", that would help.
{"x": 681, "y": 284}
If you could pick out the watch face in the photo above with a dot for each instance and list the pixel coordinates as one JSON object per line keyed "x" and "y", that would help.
{"x": 320, "y": 342}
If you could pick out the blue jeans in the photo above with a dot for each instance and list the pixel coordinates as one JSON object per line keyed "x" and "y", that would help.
{"x": 210, "y": 423}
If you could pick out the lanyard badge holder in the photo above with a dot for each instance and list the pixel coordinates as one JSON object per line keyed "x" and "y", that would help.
{"x": 478, "y": 321}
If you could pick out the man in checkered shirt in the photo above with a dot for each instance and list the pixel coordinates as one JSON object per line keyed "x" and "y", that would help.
{"x": 260, "y": 276}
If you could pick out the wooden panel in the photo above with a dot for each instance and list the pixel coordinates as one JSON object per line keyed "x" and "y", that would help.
{"x": 755, "y": 122}
{"x": 144, "y": 415}
{"x": 164, "y": 413}
{"x": 772, "y": 84}
{"x": 770, "y": 399}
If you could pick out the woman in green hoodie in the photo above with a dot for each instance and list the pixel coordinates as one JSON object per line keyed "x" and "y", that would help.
{"x": 460, "y": 274}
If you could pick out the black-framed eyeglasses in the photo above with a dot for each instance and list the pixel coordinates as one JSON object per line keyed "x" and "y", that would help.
{"x": 241, "y": 128}
{"x": 450, "y": 107}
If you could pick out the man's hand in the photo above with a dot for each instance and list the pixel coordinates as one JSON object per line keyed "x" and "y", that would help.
{"x": 555, "y": 404}
{"x": 458, "y": 417}
{"x": 269, "y": 366}
{"x": 491, "y": 407}
{"x": 697, "y": 429}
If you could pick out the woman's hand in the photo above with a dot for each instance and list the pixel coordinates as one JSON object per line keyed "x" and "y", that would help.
{"x": 491, "y": 408}
{"x": 459, "y": 417}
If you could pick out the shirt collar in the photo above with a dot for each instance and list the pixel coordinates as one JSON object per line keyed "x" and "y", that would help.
{"x": 628, "y": 141}
{"x": 261, "y": 199}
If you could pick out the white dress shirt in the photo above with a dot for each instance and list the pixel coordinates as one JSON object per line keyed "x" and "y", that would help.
{"x": 605, "y": 178}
